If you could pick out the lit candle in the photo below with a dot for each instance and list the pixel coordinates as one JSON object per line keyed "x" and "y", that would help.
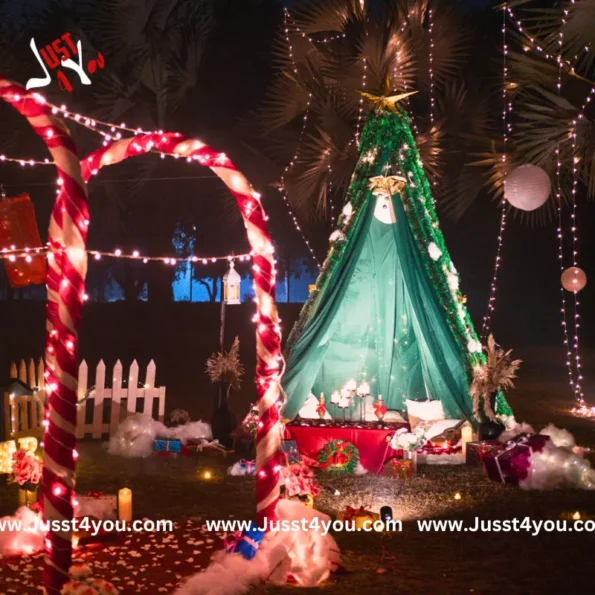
{"x": 466, "y": 436}
{"x": 125, "y": 505}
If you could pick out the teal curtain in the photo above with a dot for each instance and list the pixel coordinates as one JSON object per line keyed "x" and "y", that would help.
{"x": 378, "y": 319}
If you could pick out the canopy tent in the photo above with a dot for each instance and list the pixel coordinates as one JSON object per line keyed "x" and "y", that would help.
{"x": 387, "y": 307}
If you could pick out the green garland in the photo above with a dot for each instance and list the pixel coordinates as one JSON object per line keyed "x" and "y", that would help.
{"x": 387, "y": 139}
{"x": 333, "y": 447}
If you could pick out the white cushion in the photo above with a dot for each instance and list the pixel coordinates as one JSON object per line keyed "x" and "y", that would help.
{"x": 308, "y": 411}
{"x": 439, "y": 427}
{"x": 426, "y": 410}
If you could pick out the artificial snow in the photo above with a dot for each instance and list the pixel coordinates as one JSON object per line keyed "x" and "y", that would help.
{"x": 307, "y": 556}
{"x": 27, "y": 540}
{"x": 557, "y": 467}
{"x": 135, "y": 436}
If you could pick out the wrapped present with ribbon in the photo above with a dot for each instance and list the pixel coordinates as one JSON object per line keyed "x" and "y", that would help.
{"x": 400, "y": 469}
{"x": 167, "y": 445}
{"x": 476, "y": 451}
{"x": 245, "y": 542}
{"x": 512, "y": 462}
{"x": 242, "y": 467}
{"x": 358, "y": 516}
{"x": 98, "y": 505}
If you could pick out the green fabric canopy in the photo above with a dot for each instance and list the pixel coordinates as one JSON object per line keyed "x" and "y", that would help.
{"x": 386, "y": 309}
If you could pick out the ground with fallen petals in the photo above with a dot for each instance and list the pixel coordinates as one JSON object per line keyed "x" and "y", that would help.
{"x": 408, "y": 563}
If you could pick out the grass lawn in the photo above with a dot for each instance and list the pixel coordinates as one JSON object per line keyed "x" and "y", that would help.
{"x": 410, "y": 562}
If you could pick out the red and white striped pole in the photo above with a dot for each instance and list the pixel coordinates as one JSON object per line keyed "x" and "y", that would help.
{"x": 66, "y": 285}
{"x": 268, "y": 332}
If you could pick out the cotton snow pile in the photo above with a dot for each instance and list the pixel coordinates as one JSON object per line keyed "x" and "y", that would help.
{"x": 136, "y": 435}
{"x": 559, "y": 465}
{"x": 307, "y": 556}
{"x": 513, "y": 428}
{"x": 26, "y": 541}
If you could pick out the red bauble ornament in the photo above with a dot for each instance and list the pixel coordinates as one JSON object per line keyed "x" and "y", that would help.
{"x": 18, "y": 230}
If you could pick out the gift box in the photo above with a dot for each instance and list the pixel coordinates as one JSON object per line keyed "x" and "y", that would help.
{"x": 476, "y": 451}
{"x": 97, "y": 505}
{"x": 87, "y": 535}
{"x": 511, "y": 463}
{"x": 248, "y": 467}
{"x": 245, "y": 543}
{"x": 399, "y": 469}
{"x": 167, "y": 445}
{"x": 358, "y": 516}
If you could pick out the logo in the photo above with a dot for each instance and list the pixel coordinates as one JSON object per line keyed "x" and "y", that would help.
{"x": 58, "y": 54}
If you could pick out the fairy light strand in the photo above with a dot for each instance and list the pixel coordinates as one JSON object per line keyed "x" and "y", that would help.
{"x": 506, "y": 130}
{"x": 432, "y": 89}
{"x": 572, "y": 369}
{"x": 13, "y": 254}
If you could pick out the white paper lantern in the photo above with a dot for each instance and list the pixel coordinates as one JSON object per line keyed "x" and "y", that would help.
{"x": 527, "y": 187}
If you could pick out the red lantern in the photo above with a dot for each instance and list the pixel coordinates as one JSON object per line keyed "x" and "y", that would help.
{"x": 18, "y": 230}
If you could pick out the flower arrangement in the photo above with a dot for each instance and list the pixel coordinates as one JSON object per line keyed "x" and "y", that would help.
{"x": 408, "y": 441}
{"x": 298, "y": 481}
{"x": 225, "y": 367}
{"x": 26, "y": 469}
{"x": 82, "y": 583}
{"x": 496, "y": 374}
{"x": 250, "y": 423}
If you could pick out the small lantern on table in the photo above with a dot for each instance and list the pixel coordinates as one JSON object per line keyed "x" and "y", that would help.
{"x": 380, "y": 409}
{"x": 321, "y": 409}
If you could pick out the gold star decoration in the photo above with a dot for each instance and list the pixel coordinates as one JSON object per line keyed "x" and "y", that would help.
{"x": 383, "y": 100}
{"x": 386, "y": 185}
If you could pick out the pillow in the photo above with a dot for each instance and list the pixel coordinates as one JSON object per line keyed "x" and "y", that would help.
{"x": 419, "y": 411}
{"x": 393, "y": 415}
{"x": 308, "y": 410}
{"x": 438, "y": 427}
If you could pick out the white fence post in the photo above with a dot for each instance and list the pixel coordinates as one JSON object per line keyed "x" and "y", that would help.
{"x": 28, "y": 418}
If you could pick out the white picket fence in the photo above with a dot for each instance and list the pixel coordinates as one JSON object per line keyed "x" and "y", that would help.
{"x": 101, "y": 409}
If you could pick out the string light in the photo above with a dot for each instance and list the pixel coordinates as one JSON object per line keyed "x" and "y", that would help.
{"x": 572, "y": 378}
{"x": 574, "y": 230}
{"x": 432, "y": 94}
{"x": 13, "y": 254}
{"x": 25, "y": 162}
{"x": 360, "y": 113}
{"x": 506, "y": 129}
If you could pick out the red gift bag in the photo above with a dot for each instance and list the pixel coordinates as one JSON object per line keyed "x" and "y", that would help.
{"x": 18, "y": 230}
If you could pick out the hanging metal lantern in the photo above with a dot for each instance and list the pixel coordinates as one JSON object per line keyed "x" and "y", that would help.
{"x": 18, "y": 230}
{"x": 231, "y": 286}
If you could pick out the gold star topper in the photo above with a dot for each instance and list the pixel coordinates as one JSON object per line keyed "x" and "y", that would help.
{"x": 386, "y": 185}
{"x": 383, "y": 100}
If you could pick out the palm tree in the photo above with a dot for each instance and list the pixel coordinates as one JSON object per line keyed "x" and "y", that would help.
{"x": 330, "y": 51}
{"x": 545, "y": 117}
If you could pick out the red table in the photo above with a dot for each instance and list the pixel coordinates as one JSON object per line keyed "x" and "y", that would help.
{"x": 374, "y": 450}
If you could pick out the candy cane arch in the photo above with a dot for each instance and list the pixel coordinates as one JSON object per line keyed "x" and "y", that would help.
{"x": 65, "y": 285}
{"x": 268, "y": 332}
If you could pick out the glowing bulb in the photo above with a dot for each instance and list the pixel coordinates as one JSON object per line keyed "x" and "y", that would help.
{"x": 576, "y": 516}
{"x": 457, "y": 496}
{"x": 207, "y": 475}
